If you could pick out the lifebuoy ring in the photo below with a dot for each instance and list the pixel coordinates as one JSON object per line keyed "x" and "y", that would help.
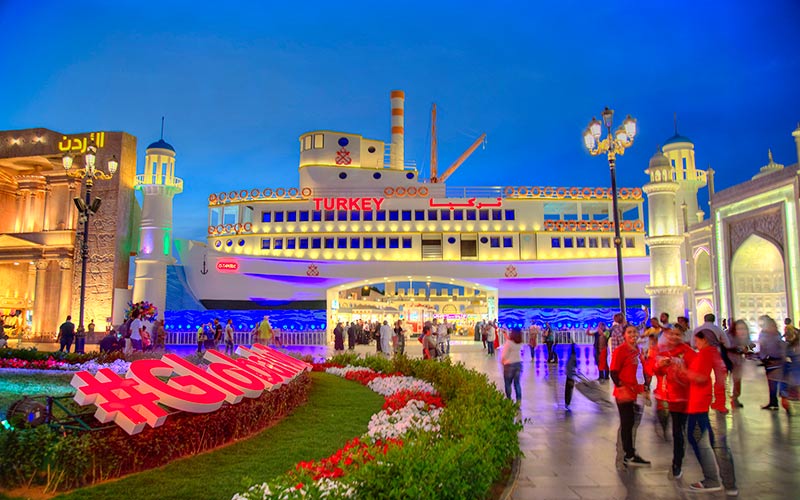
{"x": 411, "y": 191}
{"x": 232, "y": 195}
{"x": 606, "y": 225}
{"x": 399, "y": 191}
{"x": 548, "y": 225}
{"x": 599, "y": 193}
{"x": 574, "y": 192}
{"x": 423, "y": 191}
{"x": 534, "y": 191}
{"x": 638, "y": 225}
{"x": 267, "y": 193}
{"x": 255, "y": 193}
{"x": 237, "y": 227}
{"x": 623, "y": 193}
{"x": 212, "y": 198}
{"x": 280, "y": 193}
{"x": 306, "y": 192}
{"x": 561, "y": 192}
{"x": 594, "y": 226}
{"x": 583, "y": 225}
{"x": 523, "y": 191}
{"x": 293, "y": 192}
{"x": 586, "y": 193}
{"x": 222, "y": 197}
{"x": 247, "y": 226}
{"x": 548, "y": 192}
{"x": 572, "y": 225}
{"x": 220, "y": 229}
{"x": 636, "y": 193}
{"x": 388, "y": 192}
{"x": 228, "y": 228}
{"x": 509, "y": 191}
{"x": 211, "y": 230}
{"x": 561, "y": 225}
{"x": 243, "y": 193}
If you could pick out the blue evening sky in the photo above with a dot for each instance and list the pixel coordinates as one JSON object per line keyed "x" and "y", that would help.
{"x": 238, "y": 82}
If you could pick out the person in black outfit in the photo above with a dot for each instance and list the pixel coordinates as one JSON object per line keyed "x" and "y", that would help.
{"x": 66, "y": 334}
{"x": 550, "y": 340}
{"x": 110, "y": 342}
{"x": 351, "y": 336}
{"x": 338, "y": 337}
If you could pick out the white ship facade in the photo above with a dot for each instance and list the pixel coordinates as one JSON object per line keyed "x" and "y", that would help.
{"x": 361, "y": 216}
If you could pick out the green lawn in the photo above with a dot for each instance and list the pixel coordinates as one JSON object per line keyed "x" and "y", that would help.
{"x": 337, "y": 411}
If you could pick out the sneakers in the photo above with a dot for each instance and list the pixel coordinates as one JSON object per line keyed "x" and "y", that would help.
{"x": 702, "y": 488}
{"x": 770, "y": 407}
{"x": 676, "y": 473}
{"x": 733, "y": 492}
{"x": 635, "y": 461}
{"x": 737, "y": 404}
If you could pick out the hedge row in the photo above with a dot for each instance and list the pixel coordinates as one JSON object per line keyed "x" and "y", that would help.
{"x": 477, "y": 443}
{"x": 66, "y": 460}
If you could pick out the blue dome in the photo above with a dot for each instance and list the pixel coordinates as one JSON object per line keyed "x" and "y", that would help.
{"x": 161, "y": 144}
{"x": 677, "y": 138}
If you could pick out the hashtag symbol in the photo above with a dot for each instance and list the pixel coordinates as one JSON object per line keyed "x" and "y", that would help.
{"x": 118, "y": 399}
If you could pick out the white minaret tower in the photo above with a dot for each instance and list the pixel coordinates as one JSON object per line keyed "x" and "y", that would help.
{"x": 158, "y": 185}
{"x": 679, "y": 150}
{"x": 665, "y": 239}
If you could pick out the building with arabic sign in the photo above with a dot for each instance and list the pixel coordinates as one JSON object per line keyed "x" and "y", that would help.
{"x": 39, "y": 227}
{"x": 363, "y": 236}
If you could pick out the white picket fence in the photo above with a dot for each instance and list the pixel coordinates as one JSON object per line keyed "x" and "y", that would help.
{"x": 311, "y": 337}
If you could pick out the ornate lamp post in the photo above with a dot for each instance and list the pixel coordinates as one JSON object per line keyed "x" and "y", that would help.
{"x": 87, "y": 207}
{"x": 612, "y": 145}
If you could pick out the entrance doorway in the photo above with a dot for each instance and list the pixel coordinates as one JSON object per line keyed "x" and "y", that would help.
{"x": 758, "y": 282}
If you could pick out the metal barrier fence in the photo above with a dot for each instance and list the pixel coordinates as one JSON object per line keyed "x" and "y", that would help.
{"x": 311, "y": 337}
{"x": 563, "y": 337}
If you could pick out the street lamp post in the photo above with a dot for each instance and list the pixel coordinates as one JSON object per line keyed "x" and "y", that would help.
{"x": 612, "y": 145}
{"x": 87, "y": 207}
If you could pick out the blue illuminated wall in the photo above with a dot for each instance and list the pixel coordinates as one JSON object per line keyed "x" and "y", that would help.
{"x": 568, "y": 314}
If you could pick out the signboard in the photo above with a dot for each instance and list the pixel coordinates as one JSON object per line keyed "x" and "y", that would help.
{"x": 227, "y": 266}
{"x": 136, "y": 399}
{"x": 352, "y": 204}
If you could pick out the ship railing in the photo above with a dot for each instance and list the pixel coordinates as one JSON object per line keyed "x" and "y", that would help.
{"x": 165, "y": 180}
{"x": 289, "y": 338}
{"x": 474, "y": 192}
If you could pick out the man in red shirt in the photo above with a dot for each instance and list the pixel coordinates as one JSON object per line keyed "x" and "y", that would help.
{"x": 669, "y": 366}
{"x": 624, "y": 364}
{"x": 701, "y": 437}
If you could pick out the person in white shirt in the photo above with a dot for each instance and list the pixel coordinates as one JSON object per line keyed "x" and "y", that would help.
{"x": 512, "y": 363}
{"x": 386, "y": 333}
{"x": 443, "y": 337}
{"x": 491, "y": 335}
{"x": 136, "y": 331}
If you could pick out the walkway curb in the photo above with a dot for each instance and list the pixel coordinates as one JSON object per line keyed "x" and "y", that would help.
{"x": 511, "y": 484}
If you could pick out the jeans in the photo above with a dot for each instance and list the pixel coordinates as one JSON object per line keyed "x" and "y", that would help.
{"x": 490, "y": 346}
{"x": 678, "y": 438}
{"x": 701, "y": 437}
{"x": 721, "y": 451}
{"x": 511, "y": 373}
{"x": 66, "y": 344}
{"x": 552, "y": 357}
{"x": 630, "y": 414}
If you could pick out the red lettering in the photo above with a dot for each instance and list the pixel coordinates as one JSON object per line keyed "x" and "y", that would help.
{"x": 317, "y": 202}
{"x": 366, "y": 204}
{"x": 331, "y": 205}
{"x": 378, "y": 203}
{"x": 272, "y": 353}
{"x": 232, "y": 394}
{"x": 184, "y": 392}
{"x": 341, "y": 203}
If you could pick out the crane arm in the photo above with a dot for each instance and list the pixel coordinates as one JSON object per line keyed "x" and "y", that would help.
{"x": 434, "y": 145}
{"x": 466, "y": 154}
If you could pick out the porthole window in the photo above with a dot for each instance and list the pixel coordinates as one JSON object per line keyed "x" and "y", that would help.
{"x": 343, "y": 141}
{"x": 218, "y": 244}
{"x": 484, "y": 239}
{"x": 376, "y": 175}
{"x": 410, "y": 175}
{"x": 342, "y": 175}
{"x": 371, "y": 149}
{"x": 229, "y": 243}
{"x": 451, "y": 240}
{"x": 241, "y": 243}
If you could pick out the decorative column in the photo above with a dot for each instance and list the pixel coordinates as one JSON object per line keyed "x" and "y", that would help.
{"x": 667, "y": 284}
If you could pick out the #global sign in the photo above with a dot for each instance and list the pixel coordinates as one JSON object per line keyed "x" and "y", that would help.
{"x": 135, "y": 400}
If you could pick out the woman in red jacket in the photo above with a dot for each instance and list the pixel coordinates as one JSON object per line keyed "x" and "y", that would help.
{"x": 624, "y": 364}
{"x": 669, "y": 366}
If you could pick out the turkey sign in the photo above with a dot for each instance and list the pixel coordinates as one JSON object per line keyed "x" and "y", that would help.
{"x": 134, "y": 400}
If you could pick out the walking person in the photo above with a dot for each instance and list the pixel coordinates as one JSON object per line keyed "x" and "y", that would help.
{"x": 66, "y": 335}
{"x": 512, "y": 363}
{"x": 549, "y": 341}
{"x": 669, "y": 365}
{"x": 533, "y": 340}
{"x": 229, "y": 337}
{"x": 572, "y": 372}
{"x": 701, "y": 437}
{"x": 625, "y": 361}
{"x": 491, "y": 335}
{"x": 385, "y": 341}
{"x": 772, "y": 353}
{"x": 601, "y": 349}
{"x": 739, "y": 342}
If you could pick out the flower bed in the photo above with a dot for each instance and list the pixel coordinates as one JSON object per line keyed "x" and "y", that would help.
{"x": 425, "y": 443}
{"x": 64, "y": 460}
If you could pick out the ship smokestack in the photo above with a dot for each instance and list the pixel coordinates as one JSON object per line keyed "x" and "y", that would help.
{"x": 397, "y": 153}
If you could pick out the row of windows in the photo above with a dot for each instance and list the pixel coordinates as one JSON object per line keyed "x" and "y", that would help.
{"x": 368, "y": 242}
{"x": 382, "y": 215}
{"x": 581, "y": 242}
{"x": 334, "y": 242}
{"x": 315, "y": 141}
